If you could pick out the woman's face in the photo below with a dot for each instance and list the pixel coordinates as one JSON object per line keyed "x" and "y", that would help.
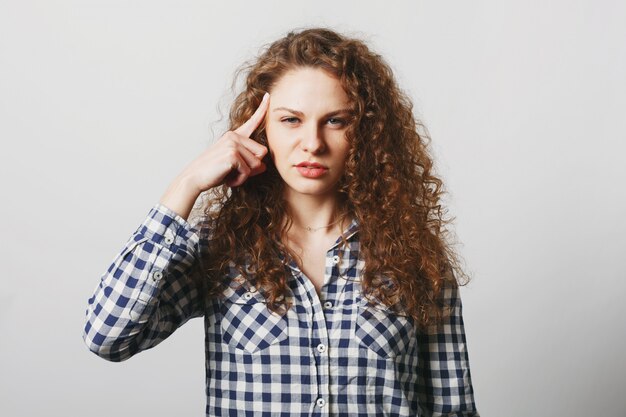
{"x": 305, "y": 125}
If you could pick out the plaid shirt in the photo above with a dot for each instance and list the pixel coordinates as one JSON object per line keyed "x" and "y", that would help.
{"x": 334, "y": 354}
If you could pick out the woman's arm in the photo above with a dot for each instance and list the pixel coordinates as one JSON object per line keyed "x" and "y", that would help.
{"x": 445, "y": 384}
{"x": 152, "y": 287}
{"x": 149, "y": 290}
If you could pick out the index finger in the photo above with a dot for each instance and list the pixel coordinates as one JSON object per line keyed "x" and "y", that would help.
{"x": 255, "y": 120}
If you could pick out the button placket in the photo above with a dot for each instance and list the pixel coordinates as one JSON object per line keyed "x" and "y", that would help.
{"x": 320, "y": 343}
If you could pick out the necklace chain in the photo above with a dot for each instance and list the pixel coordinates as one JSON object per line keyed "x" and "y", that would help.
{"x": 315, "y": 229}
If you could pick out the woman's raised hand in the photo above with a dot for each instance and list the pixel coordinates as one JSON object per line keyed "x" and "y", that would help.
{"x": 233, "y": 158}
{"x": 231, "y": 161}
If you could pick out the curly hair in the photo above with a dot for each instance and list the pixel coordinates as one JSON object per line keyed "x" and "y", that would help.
{"x": 388, "y": 185}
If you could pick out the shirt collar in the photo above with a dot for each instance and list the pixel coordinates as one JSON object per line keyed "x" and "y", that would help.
{"x": 351, "y": 230}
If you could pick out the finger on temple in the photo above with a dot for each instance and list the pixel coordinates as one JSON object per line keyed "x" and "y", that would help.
{"x": 255, "y": 120}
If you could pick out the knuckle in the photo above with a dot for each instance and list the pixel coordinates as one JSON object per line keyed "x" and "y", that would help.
{"x": 229, "y": 156}
{"x": 255, "y": 163}
{"x": 230, "y": 148}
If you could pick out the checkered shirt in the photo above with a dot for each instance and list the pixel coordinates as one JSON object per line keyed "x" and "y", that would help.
{"x": 335, "y": 354}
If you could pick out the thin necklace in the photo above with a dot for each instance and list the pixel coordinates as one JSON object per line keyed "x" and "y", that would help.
{"x": 315, "y": 229}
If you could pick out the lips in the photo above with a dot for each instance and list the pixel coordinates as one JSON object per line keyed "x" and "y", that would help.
{"x": 311, "y": 169}
{"x": 313, "y": 165}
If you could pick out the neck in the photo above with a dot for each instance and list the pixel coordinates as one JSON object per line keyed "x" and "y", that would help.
{"x": 315, "y": 215}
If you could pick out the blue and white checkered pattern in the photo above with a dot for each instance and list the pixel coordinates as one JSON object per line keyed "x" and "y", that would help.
{"x": 335, "y": 354}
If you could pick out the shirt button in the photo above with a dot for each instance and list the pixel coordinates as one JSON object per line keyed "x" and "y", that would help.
{"x": 157, "y": 275}
{"x": 247, "y": 295}
{"x": 169, "y": 240}
{"x": 320, "y": 402}
{"x": 321, "y": 348}
{"x": 335, "y": 260}
{"x": 328, "y": 305}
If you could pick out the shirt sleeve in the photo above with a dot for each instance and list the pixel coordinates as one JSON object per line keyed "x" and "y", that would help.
{"x": 149, "y": 290}
{"x": 444, "y": 382}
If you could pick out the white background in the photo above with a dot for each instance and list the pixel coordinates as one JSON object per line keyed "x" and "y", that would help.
{"x": 102, "y": 103}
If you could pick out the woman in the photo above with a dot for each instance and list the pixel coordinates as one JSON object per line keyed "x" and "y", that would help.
{"x": 320, "y": 265}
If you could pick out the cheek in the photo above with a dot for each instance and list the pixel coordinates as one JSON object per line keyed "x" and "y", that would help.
{"x": 343, "y": 148}
{"x": 276, "y": 151}
{"x": 273, "y": 131}
{"x": 270, "y": 136}
{"x": 279, "y": 143}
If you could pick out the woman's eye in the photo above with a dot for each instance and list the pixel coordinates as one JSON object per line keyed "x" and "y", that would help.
{"x": 336, "y": 122}
{"x": 290, "y": 120}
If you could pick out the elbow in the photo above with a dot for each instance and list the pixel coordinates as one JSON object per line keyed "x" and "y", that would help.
{"x": 107, "y": 351}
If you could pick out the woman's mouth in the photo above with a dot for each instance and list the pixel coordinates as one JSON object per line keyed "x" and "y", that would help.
{"x": 311, "y": 169}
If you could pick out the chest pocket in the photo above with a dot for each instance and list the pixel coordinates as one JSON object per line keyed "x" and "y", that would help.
{"x": 247, "y": 323}
{"x": 380, "y": 329}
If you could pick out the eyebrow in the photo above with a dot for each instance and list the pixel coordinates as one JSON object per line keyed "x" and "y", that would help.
{"x": 299, "y": 113}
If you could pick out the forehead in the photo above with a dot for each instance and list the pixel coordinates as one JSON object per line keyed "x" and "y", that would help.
{"x": 308, "y": 88}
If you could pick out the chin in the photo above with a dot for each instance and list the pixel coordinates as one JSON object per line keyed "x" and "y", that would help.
{"x": 311, "y": 189}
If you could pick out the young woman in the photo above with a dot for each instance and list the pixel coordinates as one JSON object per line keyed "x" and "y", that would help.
{"x": 320, "y": 265}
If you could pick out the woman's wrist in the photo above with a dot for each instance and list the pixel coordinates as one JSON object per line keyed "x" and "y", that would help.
{"x": 180, "y": 196}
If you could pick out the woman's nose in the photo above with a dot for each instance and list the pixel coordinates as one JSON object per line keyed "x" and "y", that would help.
{"x": 312, "y": 140}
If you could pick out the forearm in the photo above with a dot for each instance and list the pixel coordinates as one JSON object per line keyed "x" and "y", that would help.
{"x": 181, "y": 196}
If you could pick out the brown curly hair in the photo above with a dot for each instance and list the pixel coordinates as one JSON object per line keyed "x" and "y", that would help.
{"x": 388, "y": 186}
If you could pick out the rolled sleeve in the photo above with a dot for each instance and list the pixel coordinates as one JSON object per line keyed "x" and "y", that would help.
{"x": 149, "y": 290}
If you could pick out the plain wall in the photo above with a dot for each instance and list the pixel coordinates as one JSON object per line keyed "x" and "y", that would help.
{"x": 102, "y": 103}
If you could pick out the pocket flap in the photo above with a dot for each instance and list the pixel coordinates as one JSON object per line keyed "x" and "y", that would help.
{"x": 382, "y": 330}
{"x": 247, "y": 323}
